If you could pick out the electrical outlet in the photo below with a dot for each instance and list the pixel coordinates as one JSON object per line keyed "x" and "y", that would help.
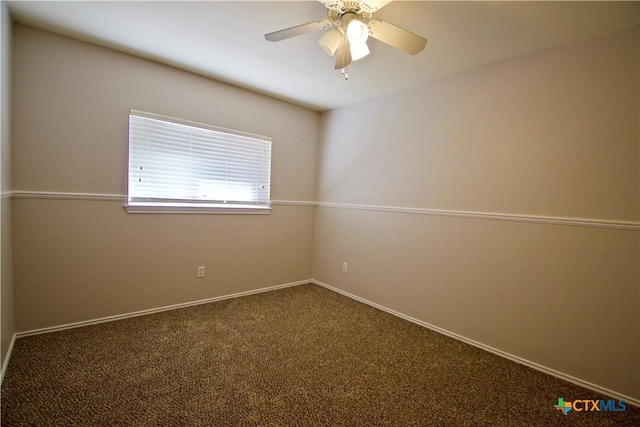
{"x": 345, "y": 267}
{"x": 201, "y": 271}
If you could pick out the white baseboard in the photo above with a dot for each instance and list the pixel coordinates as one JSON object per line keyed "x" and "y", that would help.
{"x": 16, "y": 335}
{"x": 520, "y": 360}
{"x": 6, "y": 358}
{"x": 155, "y": 310}
{"x": 525, "y": 362}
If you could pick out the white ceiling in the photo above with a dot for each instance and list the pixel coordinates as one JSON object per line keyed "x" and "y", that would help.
{"x": 225, "y": 39}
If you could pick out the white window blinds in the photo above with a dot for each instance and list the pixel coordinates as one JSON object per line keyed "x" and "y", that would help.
{"x": 175, "y": 162}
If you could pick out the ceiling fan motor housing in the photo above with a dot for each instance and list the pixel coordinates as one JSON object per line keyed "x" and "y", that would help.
{"x": 337, "y": 15}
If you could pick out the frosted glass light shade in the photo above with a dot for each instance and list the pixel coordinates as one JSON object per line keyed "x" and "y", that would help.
{"x": 357, "y": 31}
{"x": 359, "y": 50}
{"x": 330, "y": 41}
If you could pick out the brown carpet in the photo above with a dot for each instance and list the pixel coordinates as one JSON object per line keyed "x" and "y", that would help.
{"x": 300, "y": 356}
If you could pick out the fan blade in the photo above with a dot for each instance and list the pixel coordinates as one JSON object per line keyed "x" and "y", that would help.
{"x": 331, "y": 4}
{"x": 288, "y": 33}
{"x": 373, "y": 5}
{"x": 397, "y": 37}
{"x": 343, "y": 55}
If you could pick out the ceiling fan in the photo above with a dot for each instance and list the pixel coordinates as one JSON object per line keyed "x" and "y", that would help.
{"x": 351, "y": 23}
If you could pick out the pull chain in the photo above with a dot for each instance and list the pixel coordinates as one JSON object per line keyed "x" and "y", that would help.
{"x": 345, "y": 73}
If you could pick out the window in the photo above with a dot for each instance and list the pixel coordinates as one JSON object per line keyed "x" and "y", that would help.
{"x": 177, "y": 165}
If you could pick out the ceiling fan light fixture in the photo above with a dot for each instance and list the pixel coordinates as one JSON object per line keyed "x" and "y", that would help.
{"x": 349, "y": 24}
{"x": 357, "y": 31}
{"x": 359, "y": 50}
{"x": 330, "y": 41}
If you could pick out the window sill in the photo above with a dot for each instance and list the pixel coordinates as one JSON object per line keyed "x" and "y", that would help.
{"x": 198, "y": 209}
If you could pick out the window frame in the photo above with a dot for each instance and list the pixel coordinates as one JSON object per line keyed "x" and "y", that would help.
{"x": 188, "y": 205}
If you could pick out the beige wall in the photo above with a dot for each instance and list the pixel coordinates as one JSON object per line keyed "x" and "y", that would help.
{"x": 553, "y": 134}
{"x": 84, "y": 259}
{"x": 6, "y": 266}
